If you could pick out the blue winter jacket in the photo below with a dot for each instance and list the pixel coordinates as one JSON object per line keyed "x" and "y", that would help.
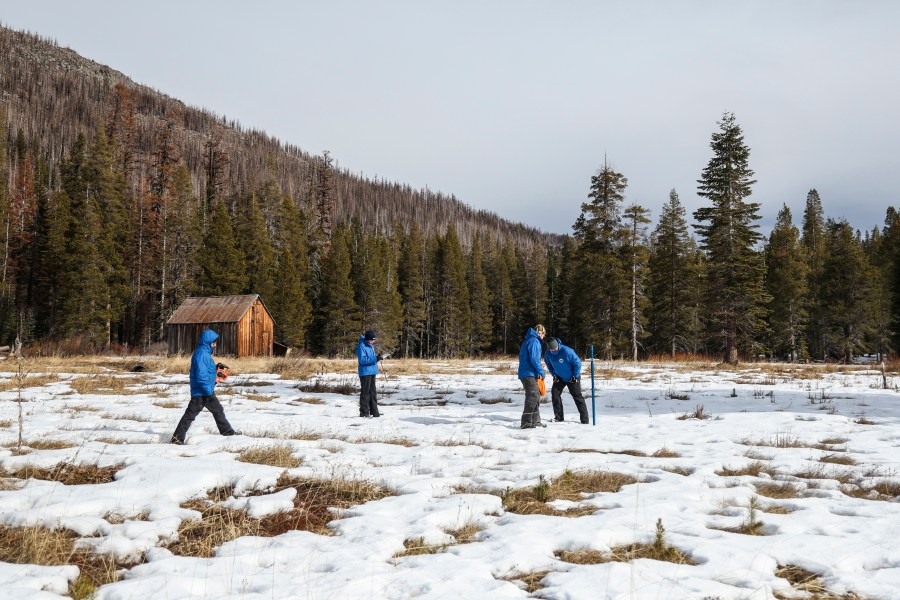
{"x": 203, "y": 367}
{"x": 368, "y": 360}
{"x": 563, "y": 363}
{"x": 530, "y": 356}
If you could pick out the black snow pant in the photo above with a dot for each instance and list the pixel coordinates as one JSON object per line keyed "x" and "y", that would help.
{"x": 531, "y": 415}
{"x": 194, "y": 407}
{"x": 577, "y": 396}
{"x": 368, "y": 397}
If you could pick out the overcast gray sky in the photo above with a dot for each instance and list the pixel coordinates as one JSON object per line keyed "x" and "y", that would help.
{"x": 512, "y": 105}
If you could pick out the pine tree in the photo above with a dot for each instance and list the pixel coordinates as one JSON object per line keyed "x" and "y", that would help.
{"x": 600, "y": 304}
{"x": 814, "y": 244}
{"x": 452, "y": 313}
{"x": 256, "y": 245}
{"x": 338, "y": 314}
{"x": 412, "y": 274}
{"x": 847, "y": 292}
{"x": 291, "y": 307}
{"x": 107, "y": 192}
{"x": 479, "y": 300}
{"x": 786, "y": 282}
{"x": 179, "y": 257}
{"x": 222, "y": 266}
{"x": 674, "y": 290}
{"x": 503, "y": 301}
{"x": 635, "y": 257}
{"x": 736, "y": 295}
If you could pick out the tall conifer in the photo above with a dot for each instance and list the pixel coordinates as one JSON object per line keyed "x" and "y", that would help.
{"x": 736, "y": 295}
{"x": 674, "y": 283}
{"x": 786, "y": 281}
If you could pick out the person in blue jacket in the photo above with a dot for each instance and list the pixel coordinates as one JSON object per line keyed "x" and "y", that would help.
{"x": 565, "y": 367}
{"x": 203, "y": 389}
{"x": 530, "y": 371}
{"x": 368, "y": 370}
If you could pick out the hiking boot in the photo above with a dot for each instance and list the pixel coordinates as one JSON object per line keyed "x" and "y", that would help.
{"x": 233, "y": 433}
{"x": 541, "y": 424}
{"x": 176, "y": 441}
{"x": 558, "y": 420}
{"x": 527, "y": 426}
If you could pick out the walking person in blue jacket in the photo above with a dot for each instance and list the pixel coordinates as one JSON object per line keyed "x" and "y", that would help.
{"x": 368, "y": 371}
{"x": 565, "y": 367}
{"x": 203, "y": 389}
{"x": 530, "y": 371}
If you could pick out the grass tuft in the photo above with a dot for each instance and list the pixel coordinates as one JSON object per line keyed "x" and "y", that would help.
{"x": 67, "y": 473}
{"x": 658, "y": 550}
{"x": 778, "y": 491}
{"x": 570, "y": 486}
{"x": 278, "y": 455}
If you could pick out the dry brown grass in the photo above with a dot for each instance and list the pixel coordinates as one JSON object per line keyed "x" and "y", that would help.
{"x": 67, "y": 473}
{"x": 665, "y": 453}
{"x": 314, "y": 508}
{"x": 257, "y": 397}
{"x": 679, "y": 470}
{"x": 864, "y": 421}
{"x": 820, "y": 472}
{"x": 106, "y": 384}
{"x": 658, "y": 550}
{"x": 40, "y": 546}
{"x": 417, "y": 547}
{"x": 49, "y": 444}
{"x": 346, "y": 387}
{"x": 781, "y": 439}
{"x": 27, "y": 381}
{"x": 531, "y": 581}
{"x": 495, "y": 400}
{"x": 884, "y": 491}
{"x": 168, "y": 404}
{"x": 838, "y": 459}
{"x": 111, "y": 440}
{"x": 5, "y": 423}
{"x": 753, "y": 469}
{"x": 802, "y": 580}
{"x": 308, "y": 400}
{"x": 698, "y": 413}
{"x": 570, "y": 486}
{"x": 278, "y": 455}
{"x": 779, "y": 491}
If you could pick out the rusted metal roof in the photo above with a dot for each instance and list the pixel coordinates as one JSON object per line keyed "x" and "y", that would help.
{"x": 213, "y": 309}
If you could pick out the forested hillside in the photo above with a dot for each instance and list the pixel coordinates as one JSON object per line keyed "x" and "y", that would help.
{"x": 118, "y": 202}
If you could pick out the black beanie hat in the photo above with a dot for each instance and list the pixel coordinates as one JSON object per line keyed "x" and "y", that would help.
{"x": 552, "y": 344}
{"x": 370, "y": 334}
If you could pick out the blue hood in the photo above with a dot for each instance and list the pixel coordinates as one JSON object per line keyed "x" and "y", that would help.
{"x": 207, "y": 338}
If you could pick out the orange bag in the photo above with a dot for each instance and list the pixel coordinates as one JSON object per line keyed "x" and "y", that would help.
{"x": 542, "y": 387}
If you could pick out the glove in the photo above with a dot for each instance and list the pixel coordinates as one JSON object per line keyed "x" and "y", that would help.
{"x": 575, "y": 379}
{"x": 379, "y": 357}
{"x": 221, "y": 372}
{"x": 556, "y": 379}
{"x": 385, "y": 355}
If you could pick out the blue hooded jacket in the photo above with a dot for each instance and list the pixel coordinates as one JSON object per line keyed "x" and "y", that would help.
{"x": 563, "y": 363}
{"x": 530, "y": 356}
{"x": 203, "y": 367}
{"x": 368, "y": 360}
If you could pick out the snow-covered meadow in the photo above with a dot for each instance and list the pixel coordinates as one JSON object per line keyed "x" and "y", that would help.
{"x": 790, "y": 477}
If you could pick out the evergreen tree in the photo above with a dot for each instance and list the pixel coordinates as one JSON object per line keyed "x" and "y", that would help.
{"x": 338, "y": 314}
{"x": 736, "y": 295}
{"x": 452, "y": 313}
{"x": 847, "y": 292}
{"x": 786, "y": 281}
{"x": 412, "y": 274}
{"x": 503, "y": 303}
{"x": 256, "y": 245}
{"x": 222, "y": 266}
{"x": 674, "y": 291}
{"x": 601, "y": 305}
{"x": 635, "y": 257}
{"x": 814, "y": 244}
{"x": 291, "y": 307}
{"x": 479, "y": 300}
{"x": 107, "y": 192}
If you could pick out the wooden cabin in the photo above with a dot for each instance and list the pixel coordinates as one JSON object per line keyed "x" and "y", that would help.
{"x": 244, "y": 325}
